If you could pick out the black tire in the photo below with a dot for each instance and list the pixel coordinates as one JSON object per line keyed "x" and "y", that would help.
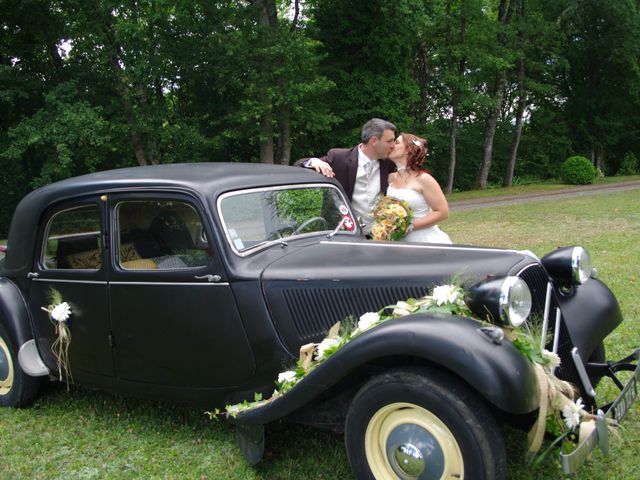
{"x": 17, "y": 389}
{"x": 399, "y": 411}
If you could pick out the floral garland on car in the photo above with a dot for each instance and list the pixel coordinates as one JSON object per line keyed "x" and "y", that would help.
{"x": 560, "y": 413}
{"x": 59, "y": 313}
{"x": 391, "y": 219}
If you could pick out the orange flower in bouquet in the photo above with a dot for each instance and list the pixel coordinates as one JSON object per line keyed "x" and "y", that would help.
{"x": 391, "y": 219}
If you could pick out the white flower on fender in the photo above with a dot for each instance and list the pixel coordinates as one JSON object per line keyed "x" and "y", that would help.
{"x": 368, "y": 320}
{"x": 61, "y": 312}
{"x": 446, "y": 294}
{"x": 572, "y": 412}
{"x": 286, "y": 377}
{"x": 325, "y": 345}
{"x": 403, "y": 308}
{"x": 551, "y": 360}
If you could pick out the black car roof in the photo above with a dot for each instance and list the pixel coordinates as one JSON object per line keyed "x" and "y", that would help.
{"x": 203, "y": 179}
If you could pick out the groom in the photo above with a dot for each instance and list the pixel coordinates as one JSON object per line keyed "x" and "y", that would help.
{"x": 362, "y": 170}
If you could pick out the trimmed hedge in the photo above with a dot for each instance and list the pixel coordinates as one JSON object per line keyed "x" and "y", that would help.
{"x": 577, "y": 170}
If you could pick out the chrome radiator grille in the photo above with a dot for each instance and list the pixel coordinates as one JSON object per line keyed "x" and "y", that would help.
{"x": 536, "y": 279}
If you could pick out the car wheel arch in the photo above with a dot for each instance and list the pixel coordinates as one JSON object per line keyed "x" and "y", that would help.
{"x": 512, "y": 389}
{"x": 14, "y": 313}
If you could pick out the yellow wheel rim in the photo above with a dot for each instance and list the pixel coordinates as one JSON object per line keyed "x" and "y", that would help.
{"x": 404, "y": 441}
{"x": 6, "y": 368}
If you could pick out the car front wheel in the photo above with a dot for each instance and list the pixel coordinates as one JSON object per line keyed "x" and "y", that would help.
{"x": 422, "y": 424}
{"x": 17, "y": 389}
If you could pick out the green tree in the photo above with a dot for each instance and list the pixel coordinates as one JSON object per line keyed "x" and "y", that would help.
{"x": 369, "y": 56}
{"x": 603, "y": 78}
{"x": 450, "y": 56}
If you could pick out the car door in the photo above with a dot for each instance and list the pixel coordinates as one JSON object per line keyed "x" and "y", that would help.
{"x": 173, "y": 314}
{"x": 71, "y": 261}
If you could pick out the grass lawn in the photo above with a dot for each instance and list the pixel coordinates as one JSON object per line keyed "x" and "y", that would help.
{"x": 86, "y": 434}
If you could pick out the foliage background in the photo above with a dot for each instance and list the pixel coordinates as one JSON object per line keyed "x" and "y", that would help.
{"x": 505, "y": 90}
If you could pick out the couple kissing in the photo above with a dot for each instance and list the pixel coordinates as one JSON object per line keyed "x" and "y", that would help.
{"x": 386, "y": 163}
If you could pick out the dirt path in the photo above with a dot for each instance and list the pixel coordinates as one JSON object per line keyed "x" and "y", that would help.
{"x": 577, "y": 191}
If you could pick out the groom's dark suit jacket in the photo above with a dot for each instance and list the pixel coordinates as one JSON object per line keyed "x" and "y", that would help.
{"x": 344, "y": 162}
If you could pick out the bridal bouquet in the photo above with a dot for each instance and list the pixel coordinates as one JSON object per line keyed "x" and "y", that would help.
{"x": 391, "y": 219}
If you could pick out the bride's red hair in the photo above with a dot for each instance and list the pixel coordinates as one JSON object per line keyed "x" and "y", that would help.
{"x": 416, "y": 148}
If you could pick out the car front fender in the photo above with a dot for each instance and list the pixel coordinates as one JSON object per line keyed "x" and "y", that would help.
{"x": 591, "y": 313}
{"x": 498, "y": 372}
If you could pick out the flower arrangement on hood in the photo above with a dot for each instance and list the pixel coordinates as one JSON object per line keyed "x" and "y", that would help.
{"x": 444, "y": 299}
{"x": 59, "y": 313}
{"x": 391, "y": 219}
{"x": 560, "y": 413}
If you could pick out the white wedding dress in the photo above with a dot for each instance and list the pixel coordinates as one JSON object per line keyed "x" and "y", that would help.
{"x": 420, "y": 209}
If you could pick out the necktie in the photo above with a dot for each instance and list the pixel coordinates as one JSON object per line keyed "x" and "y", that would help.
{"x": 368, "y": 168}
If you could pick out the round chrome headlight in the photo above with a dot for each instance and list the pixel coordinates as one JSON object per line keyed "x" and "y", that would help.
{"x": 581, "y": 265}
{"x": 515, "y": 301}
{"x": 568, "y": 265}
{"x": 505, "y": 300}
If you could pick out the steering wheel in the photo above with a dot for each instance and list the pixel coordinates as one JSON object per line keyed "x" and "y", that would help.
{"x": 310, "y": 221}
{"x": 282, "y": 232}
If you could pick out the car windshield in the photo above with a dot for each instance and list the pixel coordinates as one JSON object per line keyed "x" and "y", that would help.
{"x": 260, "y": 216}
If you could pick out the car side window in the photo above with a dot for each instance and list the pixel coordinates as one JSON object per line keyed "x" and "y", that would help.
{"x": 160, "y": 235}
{"x": 73, "y": 240}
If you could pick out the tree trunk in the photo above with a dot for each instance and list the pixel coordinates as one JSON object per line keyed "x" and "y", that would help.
{"x": 138, "y": 148}
{"x": 522, "y": 103}
{"x": 452, "y": 145}
{"x": 268, "y": 18}
{"x": 266, "y": 138}
{"x": 515, "y": 143}
{"x": 58, "y": 64}
{"x": 599, "y": 164}
{"x": 453, "y": 133}
{"x": 284, "y": 137}
{"x": 490, "y": 132}
{"x": 504, "y": 16}
{"x": 137, "y": 143}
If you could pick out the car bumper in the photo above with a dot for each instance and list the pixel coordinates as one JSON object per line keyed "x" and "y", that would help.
{"x": 599, "y": 437}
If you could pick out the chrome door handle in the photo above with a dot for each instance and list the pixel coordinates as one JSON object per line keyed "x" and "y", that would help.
{"x": 209, "y": 278}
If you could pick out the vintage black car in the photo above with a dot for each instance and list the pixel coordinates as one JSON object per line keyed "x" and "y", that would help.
{"x": 200, "y": 283}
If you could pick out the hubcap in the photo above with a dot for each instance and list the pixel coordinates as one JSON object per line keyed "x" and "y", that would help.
{"x": 6, "y": 368}
{"x": 407, "y": 442}
{"x": 409, "y": 460}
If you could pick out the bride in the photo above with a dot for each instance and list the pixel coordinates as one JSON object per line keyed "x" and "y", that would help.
{"x": 419, "y": 189}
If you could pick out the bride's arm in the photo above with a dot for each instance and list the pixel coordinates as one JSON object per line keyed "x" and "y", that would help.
{"x": 435, "y": 198}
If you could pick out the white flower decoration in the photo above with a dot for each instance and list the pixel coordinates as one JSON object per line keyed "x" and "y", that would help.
{"x": 446, "y": 294}
{"x": 572, "y": 412}
{"x": 368, "y": 320}
{"x": 325, "y": 345}
{"x": 551, "y": 360}
{"x": 61, "y": 312}
{"x": 286, "y": 377}
{"x": 403, "y": 308}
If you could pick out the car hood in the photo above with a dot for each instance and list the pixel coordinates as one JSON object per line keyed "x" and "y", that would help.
{"x": 310, "y": 289}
